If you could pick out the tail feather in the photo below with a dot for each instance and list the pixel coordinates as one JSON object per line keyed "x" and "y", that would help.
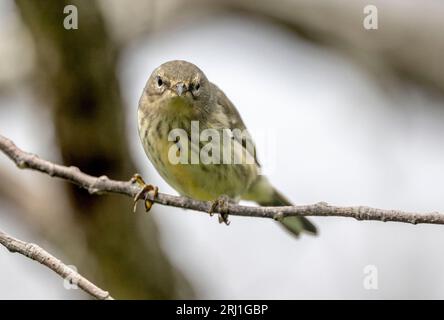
{"x": 264, "y": 194}
{"x": 293, "y": 224}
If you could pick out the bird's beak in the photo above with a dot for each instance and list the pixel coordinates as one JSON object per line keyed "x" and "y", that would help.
{"x": 180, "y": 88}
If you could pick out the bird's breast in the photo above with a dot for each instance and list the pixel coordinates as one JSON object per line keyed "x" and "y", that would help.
{"x": 196, "y": 180}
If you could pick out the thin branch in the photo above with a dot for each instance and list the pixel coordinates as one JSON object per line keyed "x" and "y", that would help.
{"x": 100, "y": 185}
{"x": 38, "y": 254}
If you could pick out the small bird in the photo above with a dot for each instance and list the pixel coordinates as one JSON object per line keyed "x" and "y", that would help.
{"x": 178, "y": 95}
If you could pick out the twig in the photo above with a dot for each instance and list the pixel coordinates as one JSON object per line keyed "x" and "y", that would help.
{"x": 36, "y": 253}
{"x": 100, "y": 185}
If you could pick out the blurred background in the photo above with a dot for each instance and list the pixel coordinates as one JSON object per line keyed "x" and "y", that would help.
{"x": 342, "y": 114}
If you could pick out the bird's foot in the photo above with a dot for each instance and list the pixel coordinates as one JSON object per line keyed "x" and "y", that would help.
{"x": 221, "y": 204}
{"x": 144, "y": 191}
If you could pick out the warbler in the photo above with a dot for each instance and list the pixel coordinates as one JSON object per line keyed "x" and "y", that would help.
{"x": 177, "y": 96}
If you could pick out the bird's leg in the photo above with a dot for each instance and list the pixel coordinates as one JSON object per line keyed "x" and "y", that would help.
{"x": 221, "y": 204}
{"x": 144, "y": 191}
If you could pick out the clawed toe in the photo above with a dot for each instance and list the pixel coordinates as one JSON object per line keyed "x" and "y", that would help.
{"x": 220, "y": 203}
{"x": 143, "y": 193}
{"x": 223, "y": 218}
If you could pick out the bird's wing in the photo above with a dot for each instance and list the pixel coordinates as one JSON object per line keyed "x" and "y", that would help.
{"x": 235, "y": 122}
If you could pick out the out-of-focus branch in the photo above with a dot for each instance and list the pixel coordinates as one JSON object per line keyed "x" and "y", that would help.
{"x": 38, "y": 254}
{"x": 100, "y": 185}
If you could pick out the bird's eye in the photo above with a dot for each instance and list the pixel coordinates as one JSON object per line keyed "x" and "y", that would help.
{"x": 196, "y": 88}
{"x": 159, "y": 82}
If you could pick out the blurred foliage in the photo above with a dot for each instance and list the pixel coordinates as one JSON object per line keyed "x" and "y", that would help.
{"x": 76, "y": 76}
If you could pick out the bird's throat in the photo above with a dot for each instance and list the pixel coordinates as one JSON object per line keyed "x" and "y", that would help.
{"x": 178, "y": 107}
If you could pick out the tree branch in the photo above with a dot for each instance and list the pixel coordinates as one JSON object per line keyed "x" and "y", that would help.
{"x": 38, "y": 254}
{"x": 100, "y": 185}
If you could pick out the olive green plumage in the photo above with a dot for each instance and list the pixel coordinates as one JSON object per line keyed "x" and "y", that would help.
{"x": 178, "y": 93}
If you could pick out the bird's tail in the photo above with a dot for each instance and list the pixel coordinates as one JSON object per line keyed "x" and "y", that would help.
{"x": 263, "y": 193}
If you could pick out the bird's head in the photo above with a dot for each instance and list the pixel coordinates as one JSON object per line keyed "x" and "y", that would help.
{"x": 178, "y": 84}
